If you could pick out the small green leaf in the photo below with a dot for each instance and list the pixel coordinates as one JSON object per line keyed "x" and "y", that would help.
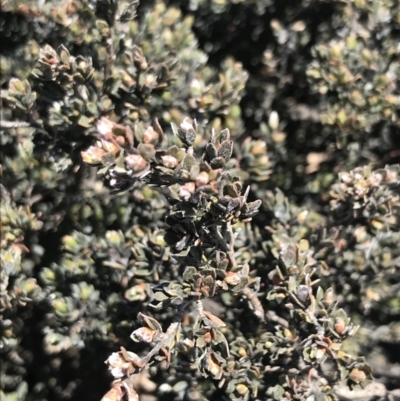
{"x": 84, "y": 122}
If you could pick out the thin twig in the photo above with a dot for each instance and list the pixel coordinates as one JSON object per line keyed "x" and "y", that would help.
{"x": 227, "y": 244}
{"x": 315, "y": 322}
{"x": 200, "y": 309}
{"x": 272, "y": 316}
{"x": 220, "y": 239}
{"x": 14, "y": 124}
{"x": 110, "y": 54}
{"x": 368, "y": 393}
{"x": 254, "y": 302}
{"x": 167, "y": 336}
{"x": 129, "y": 383}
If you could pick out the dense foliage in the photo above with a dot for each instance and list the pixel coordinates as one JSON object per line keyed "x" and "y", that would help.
{"x": 205, "y": 195}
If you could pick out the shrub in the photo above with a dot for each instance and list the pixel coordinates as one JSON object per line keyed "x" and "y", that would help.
{"x": 216, "y": 181}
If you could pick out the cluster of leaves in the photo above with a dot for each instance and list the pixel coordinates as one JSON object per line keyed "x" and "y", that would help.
{"x": 236, "y": 208}
{"x": 207, "y": 202}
